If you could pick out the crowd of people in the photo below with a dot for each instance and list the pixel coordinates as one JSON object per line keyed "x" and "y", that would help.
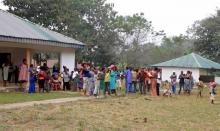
{"x": 97, "y": 81}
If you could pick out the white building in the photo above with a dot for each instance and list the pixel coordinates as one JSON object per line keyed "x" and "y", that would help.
{"x": 20, "y": 38}
{"x": 199, "y": 66}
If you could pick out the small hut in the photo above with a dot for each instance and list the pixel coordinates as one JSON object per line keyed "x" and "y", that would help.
{"x": 198, "y": 65}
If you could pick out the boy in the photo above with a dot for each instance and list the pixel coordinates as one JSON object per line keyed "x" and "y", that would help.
{"x": 200, "y": 86}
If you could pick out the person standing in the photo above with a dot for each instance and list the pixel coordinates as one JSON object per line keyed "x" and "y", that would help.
{"x": 181, "y": 82}
{"x": 107, "y": 82}
{"x": 173, "y": 78}
{"x": 75, "y": 79}
{"x": 134, "y": 80}
{"x": 23, "y": 73}
{"x": 128, "y": 79}
{"x": 97, "y": 79}
{"x": 102, "y": 80}
{"x": 16, "y": 74}
{"x": 86, "y": 76}
{"x": 141, "y": 77}
{"x": 191, "y": 82}
{"x": 32, "y": 80}
{"x": 158, "y": 81}
{"x": 113, "y": 76}
{"x": 41, "y": 80}
{"x": 5, "y": 67}
{"x": 212, "y": 91}
{"x": 153, "y": 84}
{"x": 10, "y": 71}
{"x": 147, "y": 79}
{"x": 66, "y": 79}
{"x": 187, "y": 83}
{"x": 47, "y": 76}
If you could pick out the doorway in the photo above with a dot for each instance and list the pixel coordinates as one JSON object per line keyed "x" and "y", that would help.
{"x": 4, "y": 57}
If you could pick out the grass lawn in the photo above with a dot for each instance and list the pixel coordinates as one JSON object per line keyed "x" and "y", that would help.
{"x": 132, "y": 113}
{"x": 6, "y": 98}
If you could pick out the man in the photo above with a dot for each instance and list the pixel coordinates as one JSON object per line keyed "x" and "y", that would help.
{"x": 158, "y": 81}
{"x": 147, "y": 79}
{"x": 173, "y": 78}
{"x": 141, "y": 77}
{"x": 181, "y": 81}
{"x": 128, "y": 78}
{"x": 134, "y": 80}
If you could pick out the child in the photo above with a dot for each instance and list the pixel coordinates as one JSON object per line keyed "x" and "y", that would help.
{"x": 167, "y": 90}
{"x": 107, "y": 82}
{"x": 97, "y": 78}
{"x": 119, "y": 83}
{"x": 212, "y": 91}
{"x": 200, "y": 86}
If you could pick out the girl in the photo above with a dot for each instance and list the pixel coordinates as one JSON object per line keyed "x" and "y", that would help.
{"x": 119, "y": 82}
{"x": 107, "y": 82}
{"x": 41, "y": 80}
{"x": 212, "y": 91}
{"x": 97, "y": 78}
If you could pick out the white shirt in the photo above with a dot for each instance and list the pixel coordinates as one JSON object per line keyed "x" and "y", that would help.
{"x": 75, "y": 73}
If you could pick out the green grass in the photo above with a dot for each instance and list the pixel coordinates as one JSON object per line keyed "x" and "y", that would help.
{"x": 132, "y": 113}
{"x": 6, "y": 98}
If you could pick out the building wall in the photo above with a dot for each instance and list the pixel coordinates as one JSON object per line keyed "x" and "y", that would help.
{"x": 67, "y": 58}
{"x": 217, "y": 80}
{"x": 167, "y": 72}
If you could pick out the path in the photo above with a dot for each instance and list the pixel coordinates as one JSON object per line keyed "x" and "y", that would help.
{"x": 52, "y": 101}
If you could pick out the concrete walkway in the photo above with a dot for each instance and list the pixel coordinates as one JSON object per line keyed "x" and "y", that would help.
{"x": 52, "y": 101}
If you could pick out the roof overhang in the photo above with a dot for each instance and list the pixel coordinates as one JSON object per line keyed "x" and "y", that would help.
{"x": 40, "y": 42}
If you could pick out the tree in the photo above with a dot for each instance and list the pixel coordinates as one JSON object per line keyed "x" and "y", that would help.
{"x": 206, "y": 35}
{"x": 135, "y": 32}
{"x": 89, "y": 21}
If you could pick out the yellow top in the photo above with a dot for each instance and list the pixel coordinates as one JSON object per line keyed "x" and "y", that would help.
{"x": 107, "y": 77}
{"x": 134, "y": 76}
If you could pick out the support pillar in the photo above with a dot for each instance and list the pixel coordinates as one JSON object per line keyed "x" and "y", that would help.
{"x": 28, "y": 58}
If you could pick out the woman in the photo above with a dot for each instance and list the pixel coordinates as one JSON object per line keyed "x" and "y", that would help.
{"x": 113, "y": 76}
{"x": 86, "y": 77}
{"x": 23, "y": 73}
{"x": 153, "y": 84}
{"x": 5, "y": 74}
{"x": 32, "y": 80}
{"x": 66, "y": 79}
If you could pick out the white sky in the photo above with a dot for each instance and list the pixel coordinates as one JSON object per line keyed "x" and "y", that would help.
{"x": 173, "y": 16}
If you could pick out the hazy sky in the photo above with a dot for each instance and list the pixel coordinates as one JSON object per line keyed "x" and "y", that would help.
{"x": 173, "y": 16}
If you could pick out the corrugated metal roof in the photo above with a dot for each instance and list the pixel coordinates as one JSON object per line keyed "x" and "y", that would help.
{"x": 190, "y": 61}
{"x": 12, "y": 26}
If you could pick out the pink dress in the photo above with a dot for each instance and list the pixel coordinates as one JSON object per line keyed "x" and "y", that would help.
{"x": 23, "y": 74}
